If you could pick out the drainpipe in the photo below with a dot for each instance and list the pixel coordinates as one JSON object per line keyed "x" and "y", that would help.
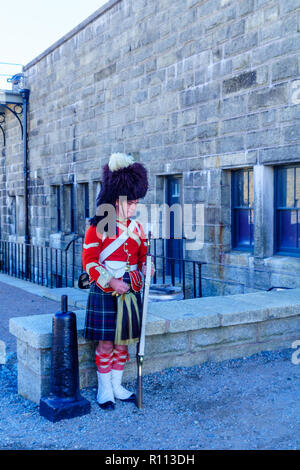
{"x": 25, "y": 95}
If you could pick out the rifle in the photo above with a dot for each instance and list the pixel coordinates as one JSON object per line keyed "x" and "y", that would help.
{"x": 141, "y": 344}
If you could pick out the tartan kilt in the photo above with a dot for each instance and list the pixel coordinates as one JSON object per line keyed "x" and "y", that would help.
{"x": 101, "y": 313}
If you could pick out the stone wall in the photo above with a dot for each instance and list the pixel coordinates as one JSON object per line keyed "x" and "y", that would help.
{"x": 192, "y": 88}
{"x": 178, "y": 334}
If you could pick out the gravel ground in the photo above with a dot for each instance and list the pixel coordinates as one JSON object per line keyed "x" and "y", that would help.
{"x": 249, "y": 403}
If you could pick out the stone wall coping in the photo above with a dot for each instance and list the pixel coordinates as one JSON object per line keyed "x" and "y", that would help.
{"x": 178, "y": 316}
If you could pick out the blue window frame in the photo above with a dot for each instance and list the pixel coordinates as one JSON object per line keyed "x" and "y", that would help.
{"x": 86, "y": 201}
{"x": 242, "y": 209}
{"x": 72, "y": 207}
{"x": 174, "y": 246}
{"x": 58, "y": 207}
{"x": 287, "y": 206}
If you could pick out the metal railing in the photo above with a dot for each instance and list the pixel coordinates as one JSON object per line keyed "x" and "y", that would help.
{"x": 46, "y": 266}
{"x": 181, "y": 272}
{"x": 57, "y": 267}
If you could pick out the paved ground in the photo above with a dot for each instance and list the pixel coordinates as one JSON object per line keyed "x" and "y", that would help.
{"x": 248, "y": 403}
{"x": 16, "y": 302}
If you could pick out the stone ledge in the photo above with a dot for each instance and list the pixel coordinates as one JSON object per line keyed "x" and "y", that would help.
{"x": 179, "y": 316}
{"x": 179, "y": 333}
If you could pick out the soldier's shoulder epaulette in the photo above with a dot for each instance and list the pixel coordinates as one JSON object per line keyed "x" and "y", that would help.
{"x": 93, "y": 234}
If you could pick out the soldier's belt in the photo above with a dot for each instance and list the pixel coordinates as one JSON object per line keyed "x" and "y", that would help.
{"x": 118, "y": 268}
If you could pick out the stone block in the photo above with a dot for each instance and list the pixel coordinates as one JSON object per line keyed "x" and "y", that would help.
{"x": 271, "y": 31}
{"x": 86, "y": 354}
{"x": 289, "y": 5}
{"x": 155, "y": 325}
{"x": 34, "y": 330}
{"x": 246, "y": 7}
{"x": 226, "y": 352}
{"x": 285, "y": 68}
{"x": 241, "y": 44}
{"x": 240, "y": 82}
{"x": 243, "y": 123}
{"x": 30, "y": 385}
{"x": 167, "y": 344}
{"x": 216, "y": 336}
{"x": 288, "y": 153}
{"x": 291, "y": 133}
{"x": 201, "y": 94}
{"x": 233, "y": 288}
{"x": 267, "y": 52}
{"x": 187, "y": 118}
{"x": 275, "y": 96}
{"x": 289, "y": 113}
{"x": 233, "y": 106}
{"x": 230, "y": 144}
{"x": 263, "y": 138}
{"x": 38, "y": 360}
{"x": 209, "y": 111}
{"x": 240, "y": 313}
{"x": 285, "y": 327}
{"x": 105, "y": 72}
{"x": 284, "y": 280}
{"x": 218, "y": 19}
{"x": 268, "y": 118}
{"x": 166, "y": 361}
{"x": 204, "y": 317}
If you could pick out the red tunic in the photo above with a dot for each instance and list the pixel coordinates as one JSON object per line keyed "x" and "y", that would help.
{"x": 133, "y": 251}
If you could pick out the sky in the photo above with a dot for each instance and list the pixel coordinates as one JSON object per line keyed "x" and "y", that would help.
{"x": 29, "y": 27}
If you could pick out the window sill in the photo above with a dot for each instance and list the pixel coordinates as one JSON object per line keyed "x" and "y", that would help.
{"x": 57, "y": 239}
{"x": 237, "y": 257}
{"x": 283, "y": 263}
{"x": 279, "y": 263}
{"x": 16, "y": 238}
{"x": 288, "y": 254}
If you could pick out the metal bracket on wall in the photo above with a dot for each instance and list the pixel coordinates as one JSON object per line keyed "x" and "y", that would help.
{"x": 13, "y": 102}
{"x": 16, "y": 110}
{"x": 16, "y": 102}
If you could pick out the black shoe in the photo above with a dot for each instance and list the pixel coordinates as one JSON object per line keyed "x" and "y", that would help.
{"x": 132, "y": 398}
{"x": 108, "y": 405}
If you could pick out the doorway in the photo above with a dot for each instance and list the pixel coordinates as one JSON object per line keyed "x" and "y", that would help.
{"x": 174, "y": 246}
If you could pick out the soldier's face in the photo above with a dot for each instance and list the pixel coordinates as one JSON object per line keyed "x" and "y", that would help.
{"x": 128, "y": 208}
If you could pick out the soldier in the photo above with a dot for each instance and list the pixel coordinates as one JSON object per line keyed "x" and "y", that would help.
{"x": 114, "y": 265}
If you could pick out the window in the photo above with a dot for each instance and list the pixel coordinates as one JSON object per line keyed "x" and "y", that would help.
{"x": 56, "y": 215}
{"x": 72, "y": 222}
{"x": 83, "y": 207}
{"x": 58, "y": 208}
{"x": 96, "y": 191}
{"x": 86, "y": 201}
{"x": 242, "y": 209}
{"x": 287, "y": 205}
{"x": 69, "y": 209}
{"x": 12, "y": 212}
{"x": 20, "y": 216}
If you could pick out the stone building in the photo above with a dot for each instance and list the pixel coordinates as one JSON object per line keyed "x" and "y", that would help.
{"x": 206, "y": 94}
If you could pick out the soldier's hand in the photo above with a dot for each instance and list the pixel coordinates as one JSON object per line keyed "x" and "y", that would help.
{"x": 119, "y": 286}
{"x": 144, "y": 269}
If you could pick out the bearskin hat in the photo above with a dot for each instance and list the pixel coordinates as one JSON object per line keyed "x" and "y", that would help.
{"x": 122, "y": 176}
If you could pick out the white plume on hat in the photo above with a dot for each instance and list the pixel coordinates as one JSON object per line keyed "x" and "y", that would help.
{"x": 119, "y": 160}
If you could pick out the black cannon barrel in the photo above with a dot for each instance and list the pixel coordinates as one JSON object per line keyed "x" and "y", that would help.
{"x": 64, "y": 365}
{"x": 64, "y": 400}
